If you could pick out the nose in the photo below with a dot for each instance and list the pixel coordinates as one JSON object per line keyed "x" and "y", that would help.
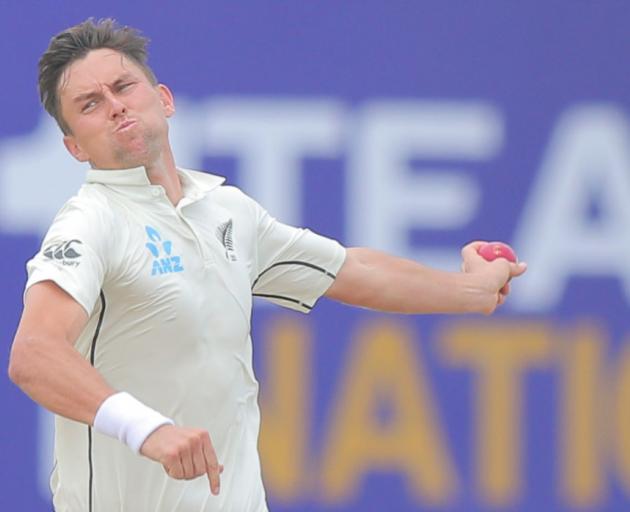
{"x": 116, "y": 107}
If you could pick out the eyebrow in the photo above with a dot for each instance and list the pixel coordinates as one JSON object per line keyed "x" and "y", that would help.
{"x": 91, "y": 94}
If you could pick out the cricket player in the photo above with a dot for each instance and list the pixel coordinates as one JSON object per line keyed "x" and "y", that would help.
{"x": 137, "y": 310}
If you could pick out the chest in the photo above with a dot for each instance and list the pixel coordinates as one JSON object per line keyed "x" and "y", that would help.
{"x": 193, "y": 259}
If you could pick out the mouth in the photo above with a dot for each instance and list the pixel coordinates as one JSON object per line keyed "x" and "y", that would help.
{"x": 125, "y": 124}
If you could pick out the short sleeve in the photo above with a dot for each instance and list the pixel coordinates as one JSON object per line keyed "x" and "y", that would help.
{"x": 294, "y": 267}
{"x": 72, "y": 255}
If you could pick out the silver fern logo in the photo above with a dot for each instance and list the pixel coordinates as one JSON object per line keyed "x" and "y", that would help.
{"x": 224, "y": 233}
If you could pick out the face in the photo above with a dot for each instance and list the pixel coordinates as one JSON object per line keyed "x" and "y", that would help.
{"x": 116, "y": 116}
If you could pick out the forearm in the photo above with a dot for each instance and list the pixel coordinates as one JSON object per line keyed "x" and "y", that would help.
{"x": 382, "y": 282}
{"x": 57, "y": 377}
{"x": 414, "y": 288}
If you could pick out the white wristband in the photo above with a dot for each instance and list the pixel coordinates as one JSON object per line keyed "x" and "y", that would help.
{"x": 123, "y": 417}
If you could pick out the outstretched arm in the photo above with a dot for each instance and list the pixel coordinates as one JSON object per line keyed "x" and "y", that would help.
{"x": 378, "y": 281}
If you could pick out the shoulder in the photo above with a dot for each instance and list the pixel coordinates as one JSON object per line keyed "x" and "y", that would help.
{"x": 231, "y": 195}
{"x": 88, "y": 211}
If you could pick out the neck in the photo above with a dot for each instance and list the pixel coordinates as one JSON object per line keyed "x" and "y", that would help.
{"x": 164, "y": 172}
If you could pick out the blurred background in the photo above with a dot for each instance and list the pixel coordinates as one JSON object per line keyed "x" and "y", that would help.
{"x": 412, "y": 127}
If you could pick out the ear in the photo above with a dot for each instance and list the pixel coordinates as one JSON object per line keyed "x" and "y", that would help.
{"x": 74, "y": 149}
{"x": 167, "y": 100}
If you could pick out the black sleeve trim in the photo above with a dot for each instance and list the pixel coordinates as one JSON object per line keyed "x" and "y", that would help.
{"x": 294, "y": 262}
{"x": 51, "y": 472}
{"x": 97, "y": 331}
{"x": 281, "y": 297}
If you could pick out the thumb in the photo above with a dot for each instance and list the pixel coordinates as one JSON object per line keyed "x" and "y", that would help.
{"x": 518, "y": 269}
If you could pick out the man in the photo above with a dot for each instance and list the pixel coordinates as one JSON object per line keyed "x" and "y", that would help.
{"x": 137, "y": 311}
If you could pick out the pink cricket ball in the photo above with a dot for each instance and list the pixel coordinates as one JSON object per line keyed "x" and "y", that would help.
{"x": 492, "y": 250}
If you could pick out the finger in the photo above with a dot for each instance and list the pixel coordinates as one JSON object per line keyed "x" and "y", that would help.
{"x": 199, "y": 461}
{"x": 471, "y": 249}
{"x": 518, "y": 269}
{"x": 505, "y": 290}
{"x": 212, "y": 466}
{"x": 187, "y": 465}
{"x": 175, "y": 470}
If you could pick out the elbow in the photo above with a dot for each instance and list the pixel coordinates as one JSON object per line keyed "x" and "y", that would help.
{"x": 358, "y": 296}
{"x": 15, "y": 370}
{"x": 18, "y": 365}
{"x": 371, "y": 301}
{"x": 357, "y": 283}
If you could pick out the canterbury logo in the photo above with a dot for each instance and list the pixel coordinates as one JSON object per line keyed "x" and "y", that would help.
{"x": 64, "y": 252}
{"x": 224, "y": 233}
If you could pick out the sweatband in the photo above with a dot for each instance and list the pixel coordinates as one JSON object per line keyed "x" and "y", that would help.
{"x": 130, "y": 421}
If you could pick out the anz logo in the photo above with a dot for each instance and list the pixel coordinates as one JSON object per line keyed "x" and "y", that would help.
{"x": 164, "y": 262}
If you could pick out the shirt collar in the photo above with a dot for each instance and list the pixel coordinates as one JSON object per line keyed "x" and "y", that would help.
{"x": 137, "y": 177}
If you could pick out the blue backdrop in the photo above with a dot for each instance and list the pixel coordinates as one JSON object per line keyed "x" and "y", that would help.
{"x": 413, "y": 127}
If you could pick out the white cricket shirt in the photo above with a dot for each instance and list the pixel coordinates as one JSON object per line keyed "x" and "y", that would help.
{"x": 169, "y": 294}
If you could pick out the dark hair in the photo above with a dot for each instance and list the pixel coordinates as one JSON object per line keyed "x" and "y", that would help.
{"x": 75, "y": 43}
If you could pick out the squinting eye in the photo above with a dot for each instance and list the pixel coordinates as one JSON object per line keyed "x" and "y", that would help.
{"x": 88, "y": 106}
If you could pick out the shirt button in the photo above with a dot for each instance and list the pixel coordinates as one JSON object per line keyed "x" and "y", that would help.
{"x": 155, "y": 192}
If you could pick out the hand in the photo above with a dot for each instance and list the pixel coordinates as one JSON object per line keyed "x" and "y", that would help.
{"x": 185, "y": 453}
{"x": 495, "y": 275}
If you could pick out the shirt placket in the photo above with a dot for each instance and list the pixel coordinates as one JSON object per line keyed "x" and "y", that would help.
{"x": 206, "y": 254}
